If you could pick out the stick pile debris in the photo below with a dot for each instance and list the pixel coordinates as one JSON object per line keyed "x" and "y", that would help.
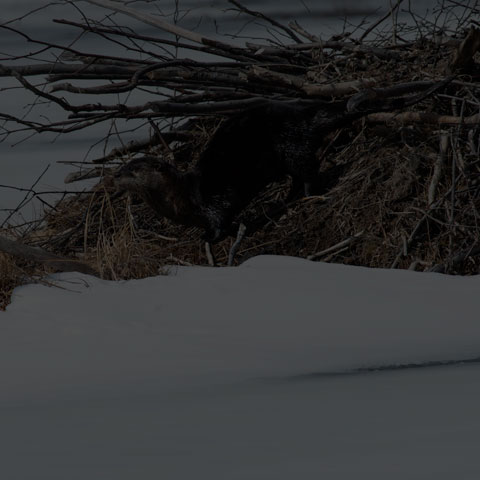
{"x": 401, "y": 186}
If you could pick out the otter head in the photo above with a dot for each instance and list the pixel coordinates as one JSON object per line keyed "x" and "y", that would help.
{"x": 161, "y": 185}
{"x": 146, "y": 173}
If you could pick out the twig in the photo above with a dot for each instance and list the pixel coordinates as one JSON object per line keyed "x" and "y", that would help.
{"x": 240, "y": 56}
{"x": 24, "y": 201}
{"x": 233, "y": 250}
{"x": 209, "y": 254}
{"x": 301, "y": 31}
{"x": 163, "y": 25}
{"x": 84, "y": 175}
{"x": 426, "y": 215}
{"x": 338, "y": 246}
{"x": 261, "y": 15}
{"x": 437, "y": 170}
{"x": 139, "y": 145}
{"x": 180, "y": 261}
{"x": 409, "y": 241}
{"x": 456, "y": 260}
{"x": 379, "y": 21}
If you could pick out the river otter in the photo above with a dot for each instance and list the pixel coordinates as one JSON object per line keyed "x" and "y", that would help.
{"x": 247, "y": 152}
{"x": 174, "y": 194}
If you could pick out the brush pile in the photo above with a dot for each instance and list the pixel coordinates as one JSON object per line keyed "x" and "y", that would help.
{"x": 401, "y": 187}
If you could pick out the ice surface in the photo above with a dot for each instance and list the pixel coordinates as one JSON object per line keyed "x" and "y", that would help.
{"x": 248, "y": 373}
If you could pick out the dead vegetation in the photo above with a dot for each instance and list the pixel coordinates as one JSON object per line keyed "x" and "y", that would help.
{"x": 10, "y": 277}
{"x": 401, "y": 189}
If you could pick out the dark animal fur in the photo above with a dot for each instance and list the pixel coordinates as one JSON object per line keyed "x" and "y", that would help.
{"x": 248, "y": 151}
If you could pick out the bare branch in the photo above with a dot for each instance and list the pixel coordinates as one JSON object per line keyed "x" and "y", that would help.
{"x": 261, "y": 15}
{"x": 422, "y": 117}
{"x": 381, "y": 20}
{"x": 163, "y": 25}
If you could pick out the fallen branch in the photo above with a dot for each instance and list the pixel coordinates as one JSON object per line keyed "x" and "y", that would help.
{"x": 338, "y": 246}
{"x": 350, "y": 47}
{"x": 36, "y": 254}
{"x": 139, "y": 145}
{"x": 339, "y": 89}
{"x": 422, "y": 117}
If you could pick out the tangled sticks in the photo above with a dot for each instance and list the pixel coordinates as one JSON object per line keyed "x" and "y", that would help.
{"x": 248, "y": 151}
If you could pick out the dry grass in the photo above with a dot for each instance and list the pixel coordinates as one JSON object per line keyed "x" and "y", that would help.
{"x": 10, "y": 277}
{"x": 14, "y": 273}
{"x": 377, "y": 186}
{"x": 374, "y": 210}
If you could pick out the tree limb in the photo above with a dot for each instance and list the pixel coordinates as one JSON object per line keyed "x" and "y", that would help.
{"x": 422, "y": 117}
{"x": 163, "y": 25}
{"x": 36, "y": 254}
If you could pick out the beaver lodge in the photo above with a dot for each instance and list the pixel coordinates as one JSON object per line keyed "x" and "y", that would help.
{"x": 390, "y": 160}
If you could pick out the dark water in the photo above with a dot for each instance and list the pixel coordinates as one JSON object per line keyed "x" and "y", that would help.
{"x": 21, "y": 164}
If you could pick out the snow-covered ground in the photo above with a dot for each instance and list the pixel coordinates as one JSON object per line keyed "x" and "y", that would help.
{"x": 278, "y": 369}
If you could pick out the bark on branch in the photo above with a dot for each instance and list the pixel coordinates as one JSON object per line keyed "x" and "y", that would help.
{"x": 423, "y": 117}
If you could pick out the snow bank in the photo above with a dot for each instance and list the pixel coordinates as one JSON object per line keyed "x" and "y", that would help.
{"x": 205, "y": 374}
{"x": 273, "y": 317}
